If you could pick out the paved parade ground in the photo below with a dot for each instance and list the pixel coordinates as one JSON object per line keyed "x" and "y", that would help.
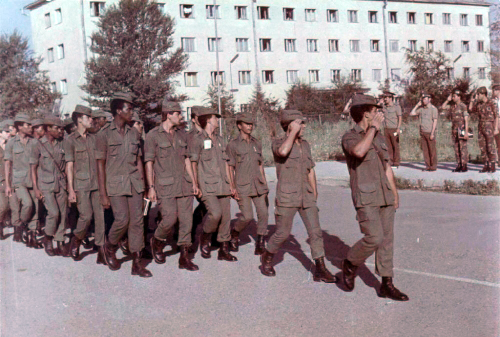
{"x": 446, "y": 259}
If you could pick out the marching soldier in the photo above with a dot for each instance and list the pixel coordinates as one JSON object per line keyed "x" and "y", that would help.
{"x": 487, "y": 127}
{"x": 392, "y": 126}
{"x": 121, "y": 182}
{"x": 459, "y": 120}
{"x": 496, "y": 100}
{"x": 248, "y": 182}
{"x": 99, "y": 121}
{"x": 49, "y": 182}
{"x": 81, "y": 170}
{"x": 38, "y": 128}
{"x": 374, "y": 195}
{"x": 4, "y": 201}
{"x": 296, "y": 192}
{"x": 167, "y": 167}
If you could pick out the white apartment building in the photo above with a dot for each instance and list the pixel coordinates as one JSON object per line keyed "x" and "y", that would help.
{"x": 278, "y": 42}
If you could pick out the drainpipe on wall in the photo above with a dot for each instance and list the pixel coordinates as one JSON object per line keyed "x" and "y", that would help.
{"x": 255, "y": 45}
{"x": 83, "y": 32}
{"x": 384, "y": 8}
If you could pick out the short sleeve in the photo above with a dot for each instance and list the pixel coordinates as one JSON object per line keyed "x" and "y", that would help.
{"x": 398, "y": 110}
{"x": 276, "y": 146}
{"x": 149, "y": 147}
{"x": 464, "y": 110}
{"x": 8, "y": 150}
{"x": 231, "y": 154}
{"x": 224, "y": 152}
{"x": 100, "y": 145}
{"x": 34, "y": 153}
{"x": 69, "y": 150}
{"x": 349, "y": 141}
{"x": 310, "y": 162}
{"x": 434, "y": 113}
{"x": 194, "y": 148}
{"x": 261, "y": 158}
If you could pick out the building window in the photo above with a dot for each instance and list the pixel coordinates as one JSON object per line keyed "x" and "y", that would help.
{"x": 393, "y": 17}
{"x": 377, "y": 75}
{"x": 53, "y": 87}
{"x": 372, "y": 17}
{"x": 412, "y": 45}
{"x": 394, "y": 46}
{"x": 354, "y": 46}
{"x": 352, "y": 16}
{"x": 265, "y": 45}
{"x": 292, "y": 76}
{"x": 479, "y": 20}
{"x": 50, "y": 55}
{"x": 212, "y": 45}
{"x": 448, "y": 46}
{"x": 187, "y": 11}
{"x": 396, "y": 74}
{"x": 313, "y": 76}
{"x": 241, "y": 12}
{"x": 213, "y": 12}
{"x": 96, "y": 8}
{"x": 465, "y": 46}
{"x": 188, "y": 44}
{"x": 244, "y": 77}
{"x": 375, "y": 45}
{"x": 58, "y": 16}
{"x": 333, "y": 46}
{"x": 335, "y": 75}
{"x": 312, "y": 45}
{"x": 429, "y": 19}
{"x": 64, "y": 87}
{"x": 60, "y": 51}
{"x": 412, "y": 18}
{"x": 217, "y": 77}
{"x": 288, "y": 14}
{"x": 450, "y": 74}
{"x": 463, "y": 20}
{"x": 356, "y": 75}
{"x": 480, "y": 46}
{"x": 310, "y": 15}
{"x": 242, "y": 45}
{"x": 290, "y": 45}
{"x": 268, "y": 76}
{"x": 429, "y": 45}
{"x": 466, "y": 72}
{"x": 481, "y": 74}
{"x": 191, "y": 79}
{"x": 263, "y": 12}
{"x": 446, "y": 19}
{"x": 48, "y": 24}
{"x": 332, "y": 15}
{"x": 244, "y": 108}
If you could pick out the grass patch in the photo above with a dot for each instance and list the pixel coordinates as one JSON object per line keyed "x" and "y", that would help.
{"x": 470, "y": 187}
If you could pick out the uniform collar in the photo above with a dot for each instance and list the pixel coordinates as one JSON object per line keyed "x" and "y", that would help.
{"x": 239, "y": 138}
{"x": 358, "y": 129}
{"x": 112, "y": 125}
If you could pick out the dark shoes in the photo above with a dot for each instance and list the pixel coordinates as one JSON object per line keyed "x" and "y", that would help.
{"x": 486, "y": 168}
{"x": 260, "y": 245}
{"x": 18, "y": 234}
{"x": 62, "y": 249}
{"x": 110, "y": 255}
{"x": 2, "y": 235}
{"x": 124, "y": 246}
{"x": 48, "y": 244}
{"x": 457, "y": 169}
{"x": 184, "y": 260}
{"x": 74, "y": 249}
{"x": 234, "y": 243}
{"x": 322, "y": 274}
{"x": 138, "y": 268}
{"x": 205, "y": 245}
{"x": 100, "y": 255}
{"x": 388, "y": 290}
{"x": 157, "y": 250}
{"x": 348, "y": 274}
{"x": 464, "y": 168}
{"x": 266, "y": 267}
{"x": 492, "y": 168}
{"x": 224, "y": 254}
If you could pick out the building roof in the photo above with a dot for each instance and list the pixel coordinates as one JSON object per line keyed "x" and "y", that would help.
{"x": 450, "y": 2}
{"x": 36, "y": 4}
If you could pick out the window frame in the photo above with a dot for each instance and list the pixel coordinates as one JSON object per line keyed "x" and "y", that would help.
{"x": 211, "y": 44}
{"x": 191, "y": 74}
{"x": 261, "y": 10}
{"x": 335, "y": 75}
{"x": 411, "y": 15}
{"x": 191, "y": 39}
{"x": 285, "y": 13}
{"x": 354, "y": 77}
{"x": 448, "y": 46}
{"x": 352, "y": 16}
{"x": 290, "y": 42}
{"x": 333, "y": 43}
{"x": 238, "y": 12}
{"x": 48, "y": 20}
{"x": 431, "y": 18}
{"x": 240, "y": 42}
{"x": 295, "y": 78}
{"x": 312, "y": 43}
{"x": 447, "y": 19}
{"x": 393, "y": 17}
{"x": 373, "y": 44}
{"x": 353, "y": 45}
{"x": 464, "y": 19}
{"x": 332, "y": 14}
{"x": 50, "y": 55}
{"x": 379, "y": 75}
{"x": 313, "y": 73}
{"x": 266, "y": 40}
{"x": 393, "y": 43}
{"x": 412, "y": 45}
{"x": 246, "y": 76}
{"x": 210, "y": 13}
{"x": 264, "y": 76}
{"x": 60, "y": 51}
{"x": 371, "y": 15}
{"x": 182, "y": 9}
{"x": 307, "y": 15}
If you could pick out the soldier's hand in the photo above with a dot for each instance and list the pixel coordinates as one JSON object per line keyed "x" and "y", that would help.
{"x": 396, "y": 202}
{"x": 432, "y": 137}
{"x": 72, "y": 197}
{"x": 197, "y": 191}
{"x": 38, "y": 194}
{"x": 295, "y": 126}
{"x": 495, "y": 132}
{"x": 152, "y": 194}
{"x": 8, "y": 191}
{"x": 377, "y": 120}
{"x": 105, "y": 202}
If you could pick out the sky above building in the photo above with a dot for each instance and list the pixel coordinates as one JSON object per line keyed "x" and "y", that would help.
{"x": 12, "y": 17}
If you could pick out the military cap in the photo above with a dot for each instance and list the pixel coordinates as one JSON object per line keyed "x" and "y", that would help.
{"x": 207, "y": 111}
{"x": 52, "y": 120}
{"x": 362, "y": 99}
{"x": 123, "y": 96}
{"x": 495, "y": 86}
{"x": 245, "y": 118}
{"x": 67, "y": 122}
{"x": 135, "y": 117}
{"x": 22, "y": 117}
{"x": 195, "y": 110}
{"x": 388, "y": 94}
{"x": 482, "y": 90}
{"x": 9, "y": 122}
{"x": 457, "y": 92}
{"x": 424, "y": 94}
{"x": 291, "y": 115}
{"x": 81, "y": 109}
{"x": 170, "y": 107}
{"x": 98, "y": 114}
{"x": 37, "y": 122}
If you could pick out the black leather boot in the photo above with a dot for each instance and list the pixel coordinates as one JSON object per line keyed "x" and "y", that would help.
{"x": 266, "y": 259}
{"x": 184, "y": 260}
{"x": 48, "y": 244}
{"x": 322, "y": 274}
{"x": 224, "y": 254}
{"x": 205, "y": 245}
{"x": 100, "y": 255}
{"x": 486, "y": 168}
{"x": 74, "y": 249}
{"x": 18, "y": 233}
{"x": 124, "y": 246}
{"x": 458, "y": 168}
{"x": 157, "y": 250}
{"x": 464, "y": 168}
{"x": 390, "y": 291}
{"x": 492, "y": 168}
{"x": 138, "y": 268}
{"x": 25, "y": 235}
{"x": 29, "y": 240}
{"x": 63, "y": 249}
{"x": 260, "y": 245}
{"x": 110, "y": 255}
{"x": 234, "y": 243}
{"x": 34, "y": 241}
{"x": 348, "y": 274}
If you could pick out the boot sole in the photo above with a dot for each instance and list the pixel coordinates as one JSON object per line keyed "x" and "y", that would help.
{"x": 154, "y": 255}
{"x": 144, "y": 276}
{"x": 228, "y": 260}
{"x": 189, "y": 269}
{"x": 318, "y": 279}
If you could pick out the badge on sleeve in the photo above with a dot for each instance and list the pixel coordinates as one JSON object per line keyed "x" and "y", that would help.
{"x": 207, "y": 144}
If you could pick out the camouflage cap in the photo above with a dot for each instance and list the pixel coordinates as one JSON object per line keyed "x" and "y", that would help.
{"x": 482, "y": 90}
{"x": 9, "y": 122}
{"x": 22, "y": 117}
{"x": 291, "y": 115}
{"x": 245, "y": 118}
{"x": 123, "y": 96}
{"x": 82, "y": 109}
{"x": 52, "y": 120}
{"x": 98, "y": 114}
{"x": 207, "y": 111}
{"x": 170, "y": 107}
{"x": 37, "y": 122}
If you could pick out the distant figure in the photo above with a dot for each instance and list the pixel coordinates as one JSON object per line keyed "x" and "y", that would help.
{"x": 496, "y": 100}
{"x": 392, "y": 126}
{"x": 428, "y": 114}
{"x": 459, "y": 121}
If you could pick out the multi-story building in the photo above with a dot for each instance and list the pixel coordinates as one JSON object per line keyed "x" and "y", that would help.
{"x": 278, "y": 42}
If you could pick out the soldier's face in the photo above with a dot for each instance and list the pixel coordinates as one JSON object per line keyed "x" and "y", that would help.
{"x": 455, "y": 98}
{"x": 496, "y": 93}
{"x": 26, "y": 128}
{"x": 387, "y": 100}
{"x": 139, "y": 127}
{"x": 426, "y": 100}
{"x": 176, "y": 118}
{"x": 55, "y": 131}
{"x": 214, "y": 121}
{"x": 126, "y": 112}
{"x": 5, "y": 135}
{"x": 246, "y": 128}
{"x": 86, "y": 121}
{"x": 13, "y": 131}
{"x": 39, "y": 131}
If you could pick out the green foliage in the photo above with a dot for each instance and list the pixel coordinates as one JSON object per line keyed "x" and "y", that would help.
{"x": 268, "y": 107}
{"x": 226, "y": 100}
{"x": 23, "y": 87}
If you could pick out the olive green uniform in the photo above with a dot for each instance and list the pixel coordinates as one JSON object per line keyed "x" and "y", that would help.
{"x": 213, "y": 182}
{"x": 174, "y": 187}
{"x": 391, "y": 114}
{"x": 294, "y": 193}
{"x": 246, "y": 158}
{"x": 51, "y": 180}
{"x": 4, "y": 201}
{"x": 427, "y": 115}
{"x": 81, "y": 151}
{"x": 486, "y": 112}
{"x": 458, "y": 112}
{"x": 124, "y": 183}
{"x": 373, "y": 200}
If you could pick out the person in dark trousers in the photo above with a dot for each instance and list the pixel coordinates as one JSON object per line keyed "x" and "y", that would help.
{"x": 459, "y": 121}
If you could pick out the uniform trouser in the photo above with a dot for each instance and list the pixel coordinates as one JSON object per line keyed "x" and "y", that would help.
{"x": 25, "y": 208}
{"x": 218, "y": 216}
{"x": 127, "y": 211}
{"x": 429, "y": 150}
{"x": 486, "y": 141}
{"x": 57, "y": 207}
{"x": 377, "y": 224}
{"x": 89, "y": 205}
{"x": 460, "y": 147}
{"x": 284, "y": 221}
{"x": 4, "y": 204}
{"x": 171, "y": 210}
{"x": 497, "y": 140}
{"x": 393, "y": 146}
{"x": 261, "y": 203}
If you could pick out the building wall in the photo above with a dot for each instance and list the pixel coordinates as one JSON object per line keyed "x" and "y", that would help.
{"x": 203, "y": 62}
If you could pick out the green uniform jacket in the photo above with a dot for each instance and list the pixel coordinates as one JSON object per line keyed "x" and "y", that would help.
{"x": 81, "y": 151}
{"x": 51, "y": 164}
{"x": 458, "y": 112}
{"x": 485, "y": 111}
{"x": 2, "y": 166}
{"x": 19, "y": 155}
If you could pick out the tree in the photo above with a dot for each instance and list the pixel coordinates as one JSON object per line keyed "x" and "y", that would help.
{"x": 308, "y": 100}
{"x": 23, "y": 86}
{"x": 226, "y": 100}
{"x": 134, "y": 53}
{"x": 268, "y": 107}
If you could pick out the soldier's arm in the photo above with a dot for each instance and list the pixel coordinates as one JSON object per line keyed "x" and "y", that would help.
{"x": 495, "y": 123}
{"x": 69, "y": 157}
{"x": 189, "y": 170}
{"x": 361, "y": 148}
{"x": 400, "y": 119}
{"x": 434, "y": 125}
{"x": 287, "y": 145}
{"x": 100, "y": 154}
{"x": 150, "y": 181}
{"x": 390, "y": 177}
{"x": 312, "y": 180}
{"x": 33, "y": 160}
{"x": 8, "y": 184}
{"x": 414, "y": 111}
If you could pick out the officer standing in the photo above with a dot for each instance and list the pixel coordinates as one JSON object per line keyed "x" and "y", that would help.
{"x": 487, "y": 127}
{"x": 392, "y": 126}
{"x": 374, "y": 195}
{"x": 81, "y": 170}
{"x": 121, "y": 182}
{"x": 4, "y": 201}
{"x": 49, "y": 182}
{"x": 459, "y": 120}
{"x": 296, "y": 192}
{"x": 167, "y": 166}
{"x": 248, "y": 180}
{"x": 207, "y": 152}
{"x": 496, "y": 100}
{"x": 428, "y": 116}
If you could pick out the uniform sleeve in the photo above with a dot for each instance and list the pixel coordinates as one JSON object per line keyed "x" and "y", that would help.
{"x": 8, "y": 150}
{"x": 149, "y": 147}
{"x": 464, "y": 110}
{"x": 310, "y": 162}
{"x": 194, "y": 148}
{"x": 276, "y": 146}
{"x": 259, "y": 147}
{"x": 231, "y": 155}
{"x": 434, "y": 113}
{"x": 398, "y": 110}
{"x": 69, "y": 150}
{"x": 100, "y": 145}
{"x": 34, "y": 153}
{"x": 349, "y": 141}
{"x": 224, "y": 152}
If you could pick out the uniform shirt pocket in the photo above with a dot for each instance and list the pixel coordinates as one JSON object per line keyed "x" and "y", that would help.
{"x": 367, "y": 193}
{"x": 114, "y": 148}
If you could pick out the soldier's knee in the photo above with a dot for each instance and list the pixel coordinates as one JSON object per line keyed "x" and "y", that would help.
{"x": 121, "y": 219}
{"x": 374, "y": 240}
{"x": 215, "y": 214}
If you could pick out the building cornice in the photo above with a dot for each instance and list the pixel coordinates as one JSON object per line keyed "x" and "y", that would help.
{"x": 36, "y": 4}
{"x": 442, "y": 2}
